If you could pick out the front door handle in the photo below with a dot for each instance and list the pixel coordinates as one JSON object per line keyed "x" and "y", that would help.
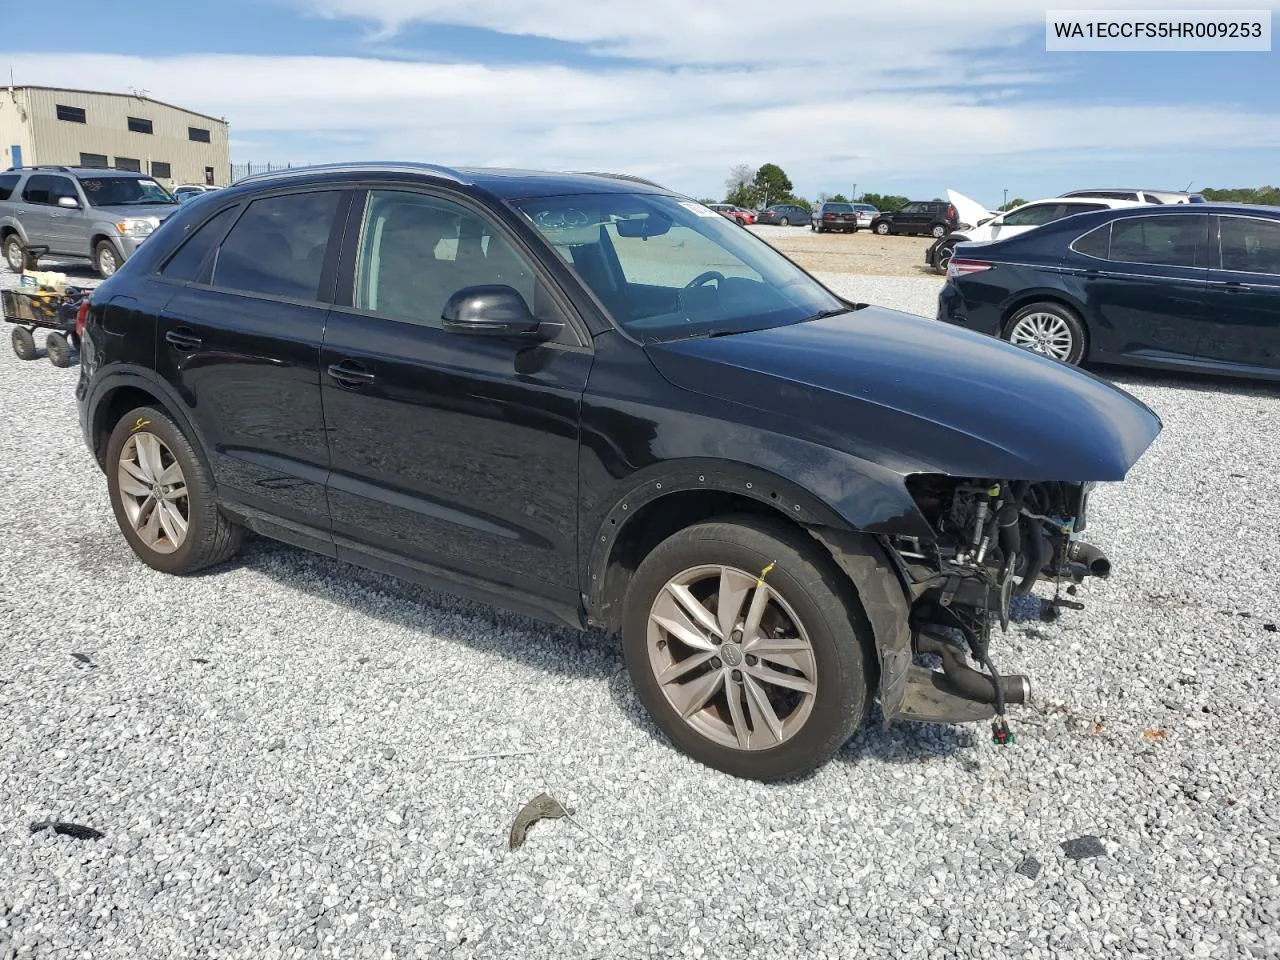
{"x": 350, "y": 373}
{"x": 183, "y": 339}
{"x": 1235, "y": 286}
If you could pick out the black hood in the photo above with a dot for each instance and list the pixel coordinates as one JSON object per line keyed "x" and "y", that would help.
{"x": 918, "y": 396}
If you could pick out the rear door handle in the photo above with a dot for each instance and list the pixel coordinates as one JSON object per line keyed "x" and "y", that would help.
{"x": 1235, "y": 286}
{"x": 183, "y": 339}
{"x": 350, "y": 373}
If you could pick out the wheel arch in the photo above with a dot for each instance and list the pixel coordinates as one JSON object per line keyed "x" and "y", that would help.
{"x": 1027, "y": 297}
{"x": 122, "y": 391}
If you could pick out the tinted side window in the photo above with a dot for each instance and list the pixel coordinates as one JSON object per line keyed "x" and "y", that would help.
{"x": 189, "y": 262}
{"x": 7, "y": 182}
{"x": 1095, "y": 243}
{"x": 278, "y": 247}
{"x": 1071, "y": 209}
{"x": 1034, "y": 215}
{"x": 418, "y": 251}
{"x": 1249, "y": 245}
{"x": 1177, "y": 241}
{"x": 40, "y": 189}
{"x": 912, "y": 208}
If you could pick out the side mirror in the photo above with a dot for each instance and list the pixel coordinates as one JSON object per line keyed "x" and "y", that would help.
{"x": 71, "y": 203}
{"x": 494, "y": 310}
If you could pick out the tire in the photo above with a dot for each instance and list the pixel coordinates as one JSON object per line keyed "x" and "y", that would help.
{"x": 784, "y": 222}
{"x": 209, "y": 537}
{"x": 105, "y": 259}
{"x": 882, "y": 229}
{"x": 809, "y": 603}
{"x": 59, "y": 350}
{"x": 943, "y": 259}
{"x": 938, "y": 231}
{"x": 24, "y": 344}
{"x": 1050, "y": 329}
{"x": 13, "y": 255}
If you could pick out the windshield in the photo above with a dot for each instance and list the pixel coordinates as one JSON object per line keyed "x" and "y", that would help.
{"x": 124, "y": 191}
{"x": 669, "y": 269}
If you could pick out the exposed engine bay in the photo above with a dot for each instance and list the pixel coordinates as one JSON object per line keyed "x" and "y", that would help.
{"x": 994, "y": 541}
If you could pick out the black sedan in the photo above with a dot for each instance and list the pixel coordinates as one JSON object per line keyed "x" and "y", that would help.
{"x": 1192, "y": 288}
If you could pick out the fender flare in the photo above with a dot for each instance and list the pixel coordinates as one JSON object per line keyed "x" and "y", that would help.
{"x": 141, "y": 378}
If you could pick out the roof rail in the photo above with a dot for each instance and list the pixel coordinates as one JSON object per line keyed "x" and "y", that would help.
{"x": 429, "y": 169}
{"x": 39, "y": 166}
{"x": 618, "y": 176}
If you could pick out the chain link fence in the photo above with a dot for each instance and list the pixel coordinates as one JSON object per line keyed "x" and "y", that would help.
{"x": 241, "y": 170}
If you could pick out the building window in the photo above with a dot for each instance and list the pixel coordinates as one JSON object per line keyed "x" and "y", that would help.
{"x": 198, "y": 134}
{"x": 71, "y": 114}
{"x": 161, "y": 170}
{"x": 128, "y": 163}
{"x": 139, "y": 125}
{"x": 97, "y": 161}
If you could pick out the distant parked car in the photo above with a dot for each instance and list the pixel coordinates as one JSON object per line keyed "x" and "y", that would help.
{"x": 936, "y": 218}
{"x": 1138, "y": 196}
{"x": 738, "y": 215}
{"x": 784, "y": 215}
{"x": 1016, "y": 221}
{"x": 835, "y": 216}
{"x": 866, "y": 213}
{"x": 187, "y": 191}
{"x": 1185, "y": 289}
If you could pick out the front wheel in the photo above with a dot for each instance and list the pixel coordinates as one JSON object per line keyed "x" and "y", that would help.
{"x": 163, "y": 496}
{"x": 24, "y": 344}
{"x": 882, "y": 229}
{"x": 943, "y": 257}
{"x": 741, "y": 645}
{"x": 1049, "y": 329}
{"x": 59, "y": 350}
{"x": 105, "y": 259}
{"x": 13, "y": 254}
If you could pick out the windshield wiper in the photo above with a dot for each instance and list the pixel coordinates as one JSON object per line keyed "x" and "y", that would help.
{"x": 829, "y": 313}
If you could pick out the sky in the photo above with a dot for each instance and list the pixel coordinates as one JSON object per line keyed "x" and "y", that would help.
{"x": 908, "y": 97}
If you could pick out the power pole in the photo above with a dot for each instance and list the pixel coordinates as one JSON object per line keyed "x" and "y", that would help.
{"x": 1006, "y": 198}
{"x": 854, "y": 198}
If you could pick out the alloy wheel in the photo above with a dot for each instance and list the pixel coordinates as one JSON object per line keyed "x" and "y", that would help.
{"x": 106, "y": 261}
{"x": 13, "y": 255}
{"x": 1043, "y": 333}
{"x": 153, "y": 492}
{"x": 731, "y": 657}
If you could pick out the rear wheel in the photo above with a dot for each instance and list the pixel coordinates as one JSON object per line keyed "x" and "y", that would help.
{"x": 939, "y": 231}
{"x": 59, "y": 350}
{"x": 24, "y": 344}
{"x": 13, "y": 252}
{"x": 105, "y": 259}
{"x": 741, "y": 646}
{"x": 163, "y": 496}
{"x": 1049, "y": 329}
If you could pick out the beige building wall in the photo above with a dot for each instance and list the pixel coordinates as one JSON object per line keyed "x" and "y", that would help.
{"x": 14, "y": 129}
{"x": 105, "y": 132}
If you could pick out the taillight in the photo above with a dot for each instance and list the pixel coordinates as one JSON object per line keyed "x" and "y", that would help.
{"x": 81, "y": 316}
{"x": 962, "y": 268}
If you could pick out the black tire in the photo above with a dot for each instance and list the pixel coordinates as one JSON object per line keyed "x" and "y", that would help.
{"x": 105, "y": 259}
{"x": 942, "y": 259}
{"x": 14, "y": 257}
{"x": 211, "y": 538}
{"x": 1079, "y": 336}
{"x": 58, "y": 349}
{"x": 882, "y": 229}
{"x": 24, "y": 344}
{"x": 938, "y": 231}
{"x": 821, "y": 597}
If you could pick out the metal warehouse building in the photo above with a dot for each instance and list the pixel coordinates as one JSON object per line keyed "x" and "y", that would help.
{"x": 81, "y": 128}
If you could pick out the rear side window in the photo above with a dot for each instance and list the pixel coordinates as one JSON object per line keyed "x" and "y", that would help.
{"x": 189, "y": 262}
{"x": 7, "y": 182}
{"x": 1177, "y": 241}
{"x": 45, "y": 189}
{"x": 1035, "y": 215}
{"x": 278, "y": 247}
{"x": 1250, "y": 245}
{"x": 1095, "y": 243}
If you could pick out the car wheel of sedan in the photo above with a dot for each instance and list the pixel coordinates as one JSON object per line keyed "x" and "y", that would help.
{"x": 105, "y": 259}
{"x": 163, "y": 496}
{"x": 784, "y": 222}
{"x": 1049, "y": 329}
{"x": 741, "y": 645}
{"x": 882, "y": 229}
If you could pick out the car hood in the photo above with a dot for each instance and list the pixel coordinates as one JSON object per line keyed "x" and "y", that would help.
{"x": 967, "y": 210}
{"x": 917, "y": 396}
{"x": 136, "y": 211}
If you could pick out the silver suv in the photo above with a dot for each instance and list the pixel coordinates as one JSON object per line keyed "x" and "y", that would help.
{"x": 98, "y": 215}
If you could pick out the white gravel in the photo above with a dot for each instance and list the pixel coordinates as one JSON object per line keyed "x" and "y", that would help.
{"x": 277, "y": 751}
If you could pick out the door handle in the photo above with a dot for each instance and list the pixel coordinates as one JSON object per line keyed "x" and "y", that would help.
{"x": 183, "y": 339}
{"x": 350, "y": 373}
{"x": 1235, "y": 286}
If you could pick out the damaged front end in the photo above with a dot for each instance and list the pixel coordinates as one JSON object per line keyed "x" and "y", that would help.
{"x": 993, "y": 542}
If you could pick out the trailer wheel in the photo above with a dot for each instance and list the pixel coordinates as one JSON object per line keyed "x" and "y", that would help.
{"x": 59, "y": 350}
{"x": 24, "y": 344}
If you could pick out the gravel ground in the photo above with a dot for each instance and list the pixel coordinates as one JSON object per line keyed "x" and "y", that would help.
{"x": 863, "y": 252}
{"x": 289, "y": 757}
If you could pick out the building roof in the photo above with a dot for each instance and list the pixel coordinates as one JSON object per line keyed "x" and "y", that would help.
{"x": 128, "y": 96}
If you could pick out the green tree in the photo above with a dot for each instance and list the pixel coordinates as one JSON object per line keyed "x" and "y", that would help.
{"x": 707, "y": 201}
{"x": 1266, "y": 195}
{"x": 883, "y": 201}
{"x": 772, "y": 185}
{"x": 1017, "y": 202}
{"x": 838, "y": 198}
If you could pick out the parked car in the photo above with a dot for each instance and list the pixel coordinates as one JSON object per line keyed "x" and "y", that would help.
{"x": 935, "y": 218}
{"x": 1016, "y": 221}
{"x": 785, "y": 215}
{"x": 188, "y": 191}
{"x": 738, "y": 215}
{"x": 1183, "y": 288}
{"x": 1138, "y": 196}
{"x": 580, "y": 397}
{"x": 90, "y": 214}
{"x": 835, "y": 216}
{"x": 866, "y": 213}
